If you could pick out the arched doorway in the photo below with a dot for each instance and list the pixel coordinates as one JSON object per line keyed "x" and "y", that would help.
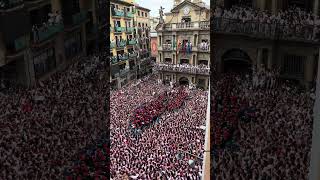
{"x": 184, "y": 81}
{"x": 236, "y": 60}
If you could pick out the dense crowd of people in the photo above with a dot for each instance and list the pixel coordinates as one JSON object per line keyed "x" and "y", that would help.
{"x": 293, "y": 22}
{"x": 43, "y": 128}
{"x": 146, "y": 114}
{"x": 260, "y": 132}
{"x": 171, "y": 148}
{"x": 187, "y": 68}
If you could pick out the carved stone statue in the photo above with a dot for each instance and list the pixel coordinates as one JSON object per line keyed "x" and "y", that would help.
{"x": 161, "y": 14}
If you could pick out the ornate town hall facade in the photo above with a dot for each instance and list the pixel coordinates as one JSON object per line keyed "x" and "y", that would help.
{"x": 184, "y": 44}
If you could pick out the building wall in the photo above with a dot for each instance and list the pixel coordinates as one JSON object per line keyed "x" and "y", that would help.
{"x": 277, "y": 51}
{"x": 194, "y": 35}
{"x": 21, "y": 62}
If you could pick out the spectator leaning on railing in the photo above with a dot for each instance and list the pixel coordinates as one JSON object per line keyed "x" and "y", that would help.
{"x": 292, "y": 23}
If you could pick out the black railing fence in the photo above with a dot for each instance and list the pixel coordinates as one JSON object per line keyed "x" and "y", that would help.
{"x": 266, "y": 30}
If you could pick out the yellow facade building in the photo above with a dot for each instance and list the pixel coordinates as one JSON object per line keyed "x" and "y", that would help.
{"x": 129, "y": 44}
{"x": 184, "y": 44}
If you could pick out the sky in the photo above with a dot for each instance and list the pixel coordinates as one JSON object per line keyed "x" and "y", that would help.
{"x": 154, "y": 5}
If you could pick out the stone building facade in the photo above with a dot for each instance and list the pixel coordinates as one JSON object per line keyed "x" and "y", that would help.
{"x": 186, "y": 25}
{"x": 296, "y": 56}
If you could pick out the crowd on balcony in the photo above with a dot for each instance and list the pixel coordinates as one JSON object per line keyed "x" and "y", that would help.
{"x": 204, "y": 46}
{"x": 157, "y": 153}
{"x": 123, "y": 56}
{"x": 293, "y": 22}
{"x": 54, "y": 19}
{"x": 6, "y": 4}
{"x": 119, "y": 42}
{"x": 184, "y": 47}
{"x": 260, "y": 133}
{"x": 44, "y": 127}
{"x": 186, "y": 68}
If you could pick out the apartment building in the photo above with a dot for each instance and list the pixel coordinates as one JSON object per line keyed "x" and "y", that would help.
{"x": 37, "y": 37}
{"x": 129, "y": 42}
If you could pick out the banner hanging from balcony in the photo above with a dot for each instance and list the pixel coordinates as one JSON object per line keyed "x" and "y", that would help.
{"x": 154, "y": 47}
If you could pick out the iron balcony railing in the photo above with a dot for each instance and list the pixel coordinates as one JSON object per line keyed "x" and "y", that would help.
{"x": 190, "y": 69}
{"x": 133, "y": 55}
{"x": 204, "y": 47}
{"x": 121, "y": 44}
{"x": 44, "y": 33}
{"x": 117, "y": 13}
{"x": 10, "y": 4}
{"x": 130, "y": 29}
{"x": 124, "y": 72}
{"x": 123, "y": 57}
{"x": 167, "y": 47}
{"x": 129, "y": 14}
{"x": 274, "y": 31}
{"x": 113, "y": 59}
{"x": 21, "y": 43}
{"x": 112, "y": 45}
{"x": 132, "y": 42}
{"x": 119, "y": 29}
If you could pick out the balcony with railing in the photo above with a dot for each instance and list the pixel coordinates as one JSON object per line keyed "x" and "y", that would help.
{"x": 113, "y": 59}
{"x": 117, "y": 13}
{"x": 129, "y": 15}
{"x": 129, "y": 29}
{"x": 204, "y": 25}
{"x": 185, "y": 68}
{"x": 273, "y": 31}
{"x": 119, "y": 29}
{"x": 16, "y": 48}
{"x": 46, "y": 32}
{"x": 187, "y": 26}
{"x": 112, "y": 45}
{"x": 133, "y": 55}
{"x": 9, "y": 5}
{"x": 204, "y": 47}
{"x": 132, "y": 42}
{"x": 167, "y": 47}
{"x": 121, "y": 44}
{"x": 123, "y": 57}
{"x": 124, "y": 72}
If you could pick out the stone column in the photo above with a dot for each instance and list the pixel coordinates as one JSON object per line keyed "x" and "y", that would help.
{"x": 308, "y": 71}
{"x": 259, "y": 58}
{"x": 274, "y": 6}
{"x": 316, "y": 7}
{"x": 262, "y": 4}
{"x": 314, "y": 169}
{"x": 270, "y": 59}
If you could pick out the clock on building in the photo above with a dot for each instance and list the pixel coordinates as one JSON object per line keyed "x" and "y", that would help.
{"x": 186, "y": 10}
